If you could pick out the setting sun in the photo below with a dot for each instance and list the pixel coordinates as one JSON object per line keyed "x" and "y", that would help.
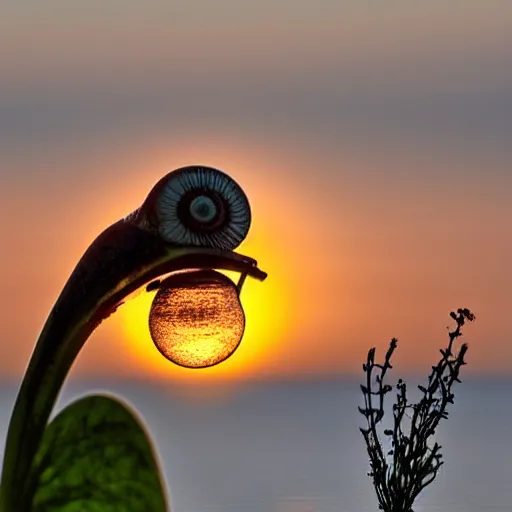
{"x": 266, "y": 306}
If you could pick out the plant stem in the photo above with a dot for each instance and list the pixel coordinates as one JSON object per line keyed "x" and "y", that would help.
{"x": 120, "y": 260}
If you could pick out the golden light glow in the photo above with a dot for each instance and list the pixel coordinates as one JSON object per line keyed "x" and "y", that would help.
{"x": 270, "y": 311}
{"x": 196, "y": 319}
{"x": 268, "y": 308}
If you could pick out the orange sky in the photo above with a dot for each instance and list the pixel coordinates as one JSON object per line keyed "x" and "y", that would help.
{"x": 379, "y": 177}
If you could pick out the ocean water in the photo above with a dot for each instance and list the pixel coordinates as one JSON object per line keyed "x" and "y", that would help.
{"x": 296, "y": 447}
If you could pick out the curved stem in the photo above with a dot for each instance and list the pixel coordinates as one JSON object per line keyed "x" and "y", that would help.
{"x": 120, "y": 260}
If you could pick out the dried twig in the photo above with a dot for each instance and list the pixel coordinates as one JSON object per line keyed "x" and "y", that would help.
{"x": 403, "y": 472}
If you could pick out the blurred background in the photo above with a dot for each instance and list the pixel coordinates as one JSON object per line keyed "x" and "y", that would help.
{"x": 373, "y": 140}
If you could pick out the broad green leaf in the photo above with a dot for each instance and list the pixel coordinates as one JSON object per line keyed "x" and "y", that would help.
{"x": 96, "y": 457}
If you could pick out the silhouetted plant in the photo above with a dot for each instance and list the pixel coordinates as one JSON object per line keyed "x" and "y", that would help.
{"x": 400, "y": 474}
{"x": 96, "y": 454}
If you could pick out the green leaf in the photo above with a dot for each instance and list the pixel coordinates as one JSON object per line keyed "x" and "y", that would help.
{"x": 96, "y": 457}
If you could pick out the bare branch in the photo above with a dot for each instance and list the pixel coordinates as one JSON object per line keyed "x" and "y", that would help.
{"x": 404, "y": 471}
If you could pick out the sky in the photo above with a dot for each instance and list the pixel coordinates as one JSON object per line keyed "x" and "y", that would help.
{"x": 372, "y": 138}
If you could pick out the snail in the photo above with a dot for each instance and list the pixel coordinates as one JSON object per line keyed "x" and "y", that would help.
{"x": 191, "y": 221}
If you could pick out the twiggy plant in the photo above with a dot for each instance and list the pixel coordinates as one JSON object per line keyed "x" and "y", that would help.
{"x": 399, "y": 474}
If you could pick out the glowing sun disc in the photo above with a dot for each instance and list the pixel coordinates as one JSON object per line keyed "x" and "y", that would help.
{"x": 269, "y": 328}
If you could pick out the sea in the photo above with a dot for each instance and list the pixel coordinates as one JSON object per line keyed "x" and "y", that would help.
{"x": 295, "y": 446}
